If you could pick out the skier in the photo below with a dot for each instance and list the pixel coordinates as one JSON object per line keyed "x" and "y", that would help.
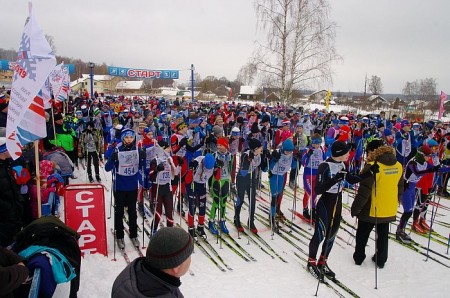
{"x": 331, "y": 175}
{"x": 125, "y": 161}
{"x": 220, "y": 185}
{"x": 200, "y": 170}
{"x": 279, "y": 165}
{"x": 414, "y": 170}
{"x": 311, "y": 160}
{"x": 91, "y": 146}
{"x": 247, "y": 181}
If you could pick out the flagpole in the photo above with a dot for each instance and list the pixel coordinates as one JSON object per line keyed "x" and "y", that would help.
{"x": 54, "y": 129}
{"x": 38, "y": 178}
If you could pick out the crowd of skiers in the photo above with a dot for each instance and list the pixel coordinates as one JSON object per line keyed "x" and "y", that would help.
{"x": 165, "y": 154}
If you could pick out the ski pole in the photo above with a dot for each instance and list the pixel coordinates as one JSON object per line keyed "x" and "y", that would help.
{"x": 433, "y": 216}
{"x": 312, "y": 193}
{"x": 156, "y": 202}
{"x": 294, "y": 202}
{"x": 448, "y": 243}
{"x": 250, "y": 199}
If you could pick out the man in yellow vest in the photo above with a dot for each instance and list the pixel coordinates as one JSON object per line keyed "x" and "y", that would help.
{"x": 376, "y": 202}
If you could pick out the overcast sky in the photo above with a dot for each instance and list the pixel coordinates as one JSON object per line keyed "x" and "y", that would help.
{"x": 397, "y": 40}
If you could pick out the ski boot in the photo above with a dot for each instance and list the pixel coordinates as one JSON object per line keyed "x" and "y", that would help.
{"x": 306, "y": 214}
{"x": 311, "y": 267}
{"x": 223, "y": 227}
{"x": 238, "y": 225}
{"x": 201, "y": 231}
{"x": 140, "y": 207}
{"x": 325, "y": 270}
{"x": 253, "y": 228}
{"x": 135, "y": 242}
{"x": 191, "y": 231}
{"x": 401, "y": 236}
{"x": 275, "y": 226}
{"x": 120, "y": 243}
{"x": 280, "y": 216}
{"x": 424, "y": 225}
{"x": 212, "y": 228}
{"x": 91, "y": 180}
{"x": 97, "y": 177}
{"x": 416, "y": 227}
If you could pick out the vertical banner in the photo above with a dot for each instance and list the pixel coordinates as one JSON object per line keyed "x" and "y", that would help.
{"x": 60, "y": 82}
{"x": 327, "y": 99}
{"x": 84, "y": 208}
{"x": 35, "y": 61}
{"x": 442, "y": 100}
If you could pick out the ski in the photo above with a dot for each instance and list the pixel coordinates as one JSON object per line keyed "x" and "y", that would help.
{"x": 325, "y": 282}
{"x": 125, "y": 219}
{"x": 232, "y": 248}
{"x": 215, "y": 253}
{"x": 122, "y": 251}
{"x": 206, "y": 253}
{"x": 240, "y": 247}
{"x": 138, "y": 249}
{"x": 255, "y": 242}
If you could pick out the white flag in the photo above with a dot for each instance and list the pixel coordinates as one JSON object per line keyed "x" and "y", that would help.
{"x": 35, "y": 61}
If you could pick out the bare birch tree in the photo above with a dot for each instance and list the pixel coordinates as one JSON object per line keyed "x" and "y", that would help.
{"x": 375, "y": 85}
{"x": 299, "y": 47}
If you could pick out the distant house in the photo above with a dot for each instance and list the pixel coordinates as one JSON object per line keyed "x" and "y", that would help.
{"x": 101, "y": 83}
{"x": 378, "y": 101}
{"x": 130, "y": 86}
{"x": 317, "y": 96}
{"x": 248, "y": 92}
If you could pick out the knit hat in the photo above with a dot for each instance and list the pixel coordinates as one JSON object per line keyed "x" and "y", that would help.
{"x": 404, "y": 123}
{"x": 3, "y": 148}
{"x": 181, "y": 125}
{"x": 265, "y": 118}
{"x": 209, "y": 161}
{"x": 425, "y": 150}
{"x": 235, "y": 132}
{"x": 169, "y": 248}
{"x": 387, "y": 132}
{"x": 339, "y": 148}
{"x": 217, "y": 130}
{"x": 254, "y": 143}
{"x": 57, "y": 117}
{"x": 374, "y": 144}
{"x": 316, "y": 139}
{"x": 163, "y": 144}
{"x": 127, "y": 132}
{"x": 287, "y": 145}
{"x": 223, "y": 142}
{"x": 432, "y": 143}
{"x": 3, "y": 102}
{"x": 96, "y": 111}
{"x": 255, "y": 128}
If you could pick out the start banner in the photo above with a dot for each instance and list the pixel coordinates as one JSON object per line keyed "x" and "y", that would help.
{"x": 143, "y": 73}
{"x": 84, "y": 207}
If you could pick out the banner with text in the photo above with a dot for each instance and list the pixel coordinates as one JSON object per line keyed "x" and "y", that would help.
{"x": 9, "y": 65}
{"x": 143, "y": 73}
{"x": 84, "y": 208}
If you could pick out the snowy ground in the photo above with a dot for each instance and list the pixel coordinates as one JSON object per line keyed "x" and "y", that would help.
{"x": 405, "y": 274}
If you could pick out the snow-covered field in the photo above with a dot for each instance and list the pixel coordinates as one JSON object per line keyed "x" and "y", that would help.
{"x": 406, "y": 273}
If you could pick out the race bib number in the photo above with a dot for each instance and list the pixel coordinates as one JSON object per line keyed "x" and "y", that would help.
{"x": 128, "y": 163}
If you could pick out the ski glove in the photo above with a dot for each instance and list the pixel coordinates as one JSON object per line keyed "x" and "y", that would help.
{"x": 114, "y": 156}
{"x": 375, "y": 168}
{"x": 160, "y": 167}
{"x": 340, "y": 176}
{"x": 219, "y": 163}
{"x": 276, "y": 155}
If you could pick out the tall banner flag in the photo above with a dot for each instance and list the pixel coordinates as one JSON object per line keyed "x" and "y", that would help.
{"x": 327, "y": 99}
{"x": 45, "y": 93}
{"x": 443, "y": 98}
{"x": 26, "y": 116}
{"x": 60, "y": 82}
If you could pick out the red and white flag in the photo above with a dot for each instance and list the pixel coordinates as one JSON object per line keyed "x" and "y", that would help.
{"x": 60, "y": 81}
{"x": 443, "y": 98}
{"x": 26, "y": 116}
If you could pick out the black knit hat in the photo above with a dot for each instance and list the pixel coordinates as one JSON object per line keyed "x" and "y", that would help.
{"x": 265, "y": 118}
{"x": 339, "y": 148}
{"x": 255, "y": 128}
{"x": 169, "y": 248}
{"x": 58, "y": 117}
{"x": 374, "y": 144}
{"x": 254, "y": 143}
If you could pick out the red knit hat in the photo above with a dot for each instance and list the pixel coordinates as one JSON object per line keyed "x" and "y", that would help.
{"x": 223, "y": 141}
